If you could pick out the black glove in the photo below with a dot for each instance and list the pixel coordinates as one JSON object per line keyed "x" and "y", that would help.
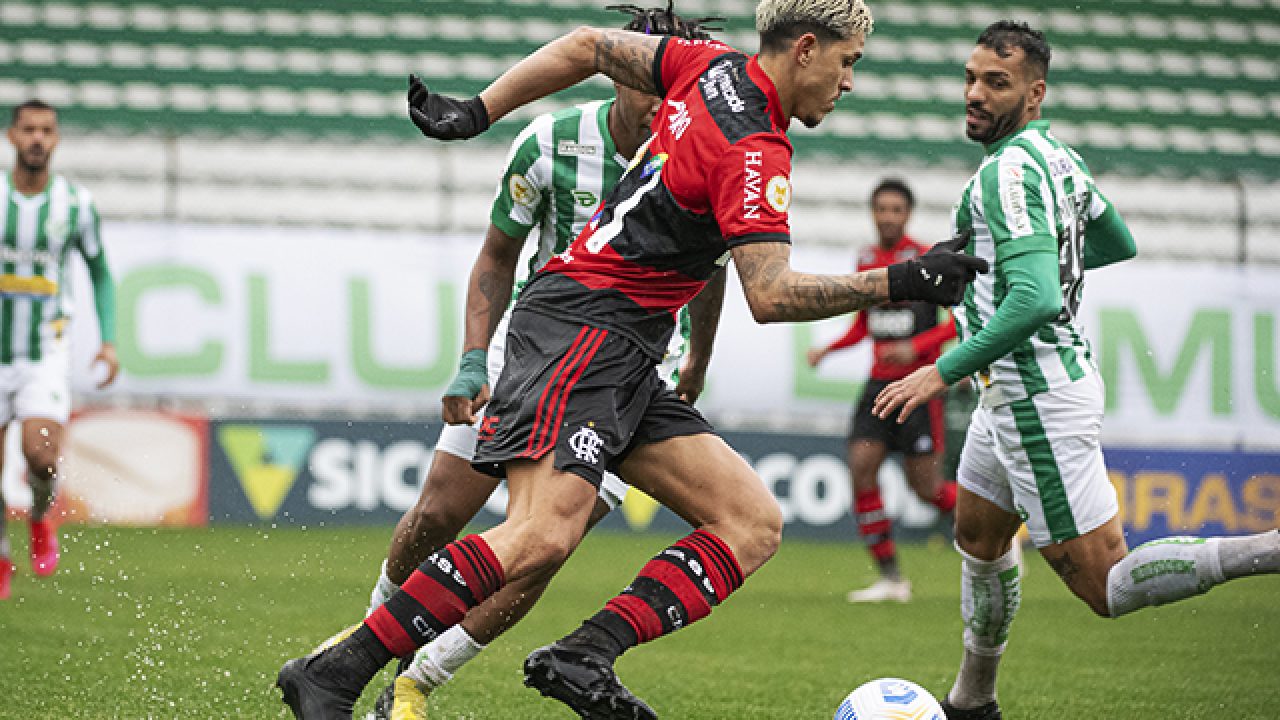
{"x": 445, "y": 118}
{"x": 939, "y": 276}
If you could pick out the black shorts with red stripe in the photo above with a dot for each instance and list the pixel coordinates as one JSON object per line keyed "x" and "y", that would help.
{"x": 921, "y": 434}
{"x": 587, "y": 394}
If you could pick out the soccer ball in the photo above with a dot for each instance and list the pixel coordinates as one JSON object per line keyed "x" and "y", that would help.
{"x": 890, "y": 699}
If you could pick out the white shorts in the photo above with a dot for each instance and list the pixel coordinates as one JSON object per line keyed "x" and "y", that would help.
{"x": 37, "y": 389}
{"x": 1040, "y": 458}
{"x": 460, "y": 440}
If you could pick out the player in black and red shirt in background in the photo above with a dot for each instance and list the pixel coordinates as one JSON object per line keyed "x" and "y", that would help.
{"x": 907, "y": 336}
{"x": 579, "y": 392}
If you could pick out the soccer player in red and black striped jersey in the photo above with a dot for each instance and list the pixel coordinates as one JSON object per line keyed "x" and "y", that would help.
{"x": 907, "y": 336}
{"x": 579, "y": 393}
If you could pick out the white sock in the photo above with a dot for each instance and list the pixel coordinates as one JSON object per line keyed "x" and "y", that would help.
{"x": 1174, "y": 568}
{"x": 990, "y": 594}
{"x": 435, "y": 663}
{"x": 1163, "y": 571}
{"x": 382, "y": 590}
{"x": 1251, "y": 555}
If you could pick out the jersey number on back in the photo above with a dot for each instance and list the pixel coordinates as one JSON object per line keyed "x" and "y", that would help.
{"x": 1075, "y": 209}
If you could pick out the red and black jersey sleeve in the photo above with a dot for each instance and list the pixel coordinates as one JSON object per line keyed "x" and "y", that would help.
{"x": 677, "y": 57}
{"x": 751, "y": 190}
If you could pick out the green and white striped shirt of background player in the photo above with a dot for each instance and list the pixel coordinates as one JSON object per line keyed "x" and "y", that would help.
{"x": 994, "y": 207}
{"x": 39, "y": 233}
{"x": 558, "y": 171}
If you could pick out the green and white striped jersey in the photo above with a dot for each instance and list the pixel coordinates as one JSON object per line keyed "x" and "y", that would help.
{"x": 1031, "y": 193}
{"x": 559, "y": 170}
{"x": 39, "y": 233}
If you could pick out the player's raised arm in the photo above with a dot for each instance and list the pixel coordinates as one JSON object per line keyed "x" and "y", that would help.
{"x": 776, "y": 293}
{"x": 626, "y": 57}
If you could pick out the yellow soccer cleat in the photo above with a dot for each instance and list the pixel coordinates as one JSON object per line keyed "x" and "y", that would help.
{"x": 410, "y": 699}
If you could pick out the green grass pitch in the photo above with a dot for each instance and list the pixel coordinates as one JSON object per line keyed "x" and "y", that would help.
{"x": 142, "y": 623}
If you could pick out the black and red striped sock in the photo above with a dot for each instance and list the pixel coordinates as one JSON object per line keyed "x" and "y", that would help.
{"x": 437, "y": 595}
{"x": 877, "y": 530}
{"x": 677, "y": 587}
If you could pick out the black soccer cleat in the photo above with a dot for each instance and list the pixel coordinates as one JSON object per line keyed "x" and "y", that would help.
{"x": 312, "y": 695}
{"x": 385, "y": 703}
{"x": 584, "y": 682}
{"x": 990, "y": 711}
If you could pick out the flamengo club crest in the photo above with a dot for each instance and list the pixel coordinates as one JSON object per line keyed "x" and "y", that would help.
{"x": 586, "y": 445}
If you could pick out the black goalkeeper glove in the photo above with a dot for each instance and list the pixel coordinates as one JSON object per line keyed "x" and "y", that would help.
{"x": 940, "y": 276}
{"x": 445, "y": 118}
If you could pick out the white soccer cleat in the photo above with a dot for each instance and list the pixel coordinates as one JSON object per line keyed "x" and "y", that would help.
{"x": 882, "y": 590}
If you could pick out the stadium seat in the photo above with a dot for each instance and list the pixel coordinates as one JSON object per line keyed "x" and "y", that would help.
{"x": 1178, "y": 89}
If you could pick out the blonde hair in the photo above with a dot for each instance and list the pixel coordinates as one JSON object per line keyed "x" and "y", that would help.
{"x": 780, "y": 21}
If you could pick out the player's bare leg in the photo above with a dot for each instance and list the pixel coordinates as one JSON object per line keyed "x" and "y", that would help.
{"x": 738, "y": 526}
{"x": 924, "y": 476}
{"x": 435, "y": 663}
{"x": 42, "y": 445}
{"x": 984, "y": 537}
{"x": 710, "y": 486}
{"x": 541, "y": 530}
{"x": 1096, "y": 566}
{"x": 451, "y": 495}
{"x": 865, "y": 460}
{"x": 1113, "y": 581}
{"x": 6, "y": 563}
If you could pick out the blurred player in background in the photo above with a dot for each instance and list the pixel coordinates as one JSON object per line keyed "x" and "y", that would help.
{"x": 579, "y": 393}
{"x": 1032, "y": 452}
{"x": 907, "y": 336}
{"x": 43, "y": 217}
{"x": 559, "y": 169}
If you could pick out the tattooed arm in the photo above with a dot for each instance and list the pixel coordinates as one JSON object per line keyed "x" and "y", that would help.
{"x": 489, "y": 290}
{"x": 625, "y": 57}
{"x": 488, "y": 293}
{"x": 776, "y": 293}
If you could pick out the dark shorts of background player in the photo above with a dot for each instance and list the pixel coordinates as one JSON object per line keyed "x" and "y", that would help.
{"x": 587, "y": 394}
{"x": 921, "y": 434}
